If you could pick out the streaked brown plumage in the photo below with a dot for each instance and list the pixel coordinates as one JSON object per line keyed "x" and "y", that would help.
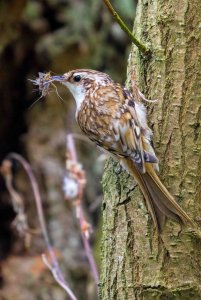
{"x": 110, "y": 116}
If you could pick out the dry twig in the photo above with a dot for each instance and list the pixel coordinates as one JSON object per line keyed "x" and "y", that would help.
{"x": 123, "y": 26}
{"x": 57, "y": 277}
{"x": 53, "y": 265}
{"x": 76, "y": 173}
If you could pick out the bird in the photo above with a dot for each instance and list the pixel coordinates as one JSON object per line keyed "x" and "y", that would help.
{"x": 110, "y": 115}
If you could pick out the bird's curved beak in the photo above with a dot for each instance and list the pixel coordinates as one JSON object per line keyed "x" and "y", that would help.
{"x": 59, "y": 78}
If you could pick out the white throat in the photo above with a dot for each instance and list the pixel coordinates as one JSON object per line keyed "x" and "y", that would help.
{"x": 78, "y": 93}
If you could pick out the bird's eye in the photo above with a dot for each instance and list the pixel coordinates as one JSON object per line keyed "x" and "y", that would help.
{"x": 77, "y": 78}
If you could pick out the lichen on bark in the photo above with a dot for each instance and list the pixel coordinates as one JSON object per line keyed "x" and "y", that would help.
{"x": 134, "y": 264}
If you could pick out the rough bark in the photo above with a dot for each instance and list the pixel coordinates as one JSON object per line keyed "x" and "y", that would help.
{"x": 134, "y": 264}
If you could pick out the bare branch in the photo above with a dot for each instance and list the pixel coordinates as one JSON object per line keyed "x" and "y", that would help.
{"x": 76, "y": 172}
{"x": 54, "y": 266}
{"x": 57, "y": 277}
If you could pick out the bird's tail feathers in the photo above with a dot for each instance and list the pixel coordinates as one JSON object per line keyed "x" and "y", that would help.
{"x": 158, "y": 200}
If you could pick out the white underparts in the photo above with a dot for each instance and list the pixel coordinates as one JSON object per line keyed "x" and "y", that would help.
{"x": 141, "y": 113}
{"x": 78, "y": 93}
{"x": 142, "y": 118}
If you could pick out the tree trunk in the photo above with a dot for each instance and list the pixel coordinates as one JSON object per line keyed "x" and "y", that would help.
{"x": 134, "y": 264}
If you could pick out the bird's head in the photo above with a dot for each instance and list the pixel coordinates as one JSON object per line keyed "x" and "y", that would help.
{"x": 81, "y": 81}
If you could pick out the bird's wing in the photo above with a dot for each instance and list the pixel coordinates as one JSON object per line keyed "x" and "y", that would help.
{"x": 131, "y": 132}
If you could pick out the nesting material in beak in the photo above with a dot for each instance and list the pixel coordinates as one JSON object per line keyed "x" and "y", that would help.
{"x": 45, "y": 80}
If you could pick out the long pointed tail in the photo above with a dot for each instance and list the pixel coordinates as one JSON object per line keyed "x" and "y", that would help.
{"x": 158, "y": 200}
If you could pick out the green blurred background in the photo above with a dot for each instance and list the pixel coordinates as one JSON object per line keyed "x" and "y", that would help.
{"x": 39, "y": 36}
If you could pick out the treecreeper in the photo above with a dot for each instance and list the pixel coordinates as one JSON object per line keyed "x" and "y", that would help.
{"x": 115, "y": 120}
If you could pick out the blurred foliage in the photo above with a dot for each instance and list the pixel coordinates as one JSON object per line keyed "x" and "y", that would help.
{"x": 38, "y": 36}
{"x": 84, "y": 29}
